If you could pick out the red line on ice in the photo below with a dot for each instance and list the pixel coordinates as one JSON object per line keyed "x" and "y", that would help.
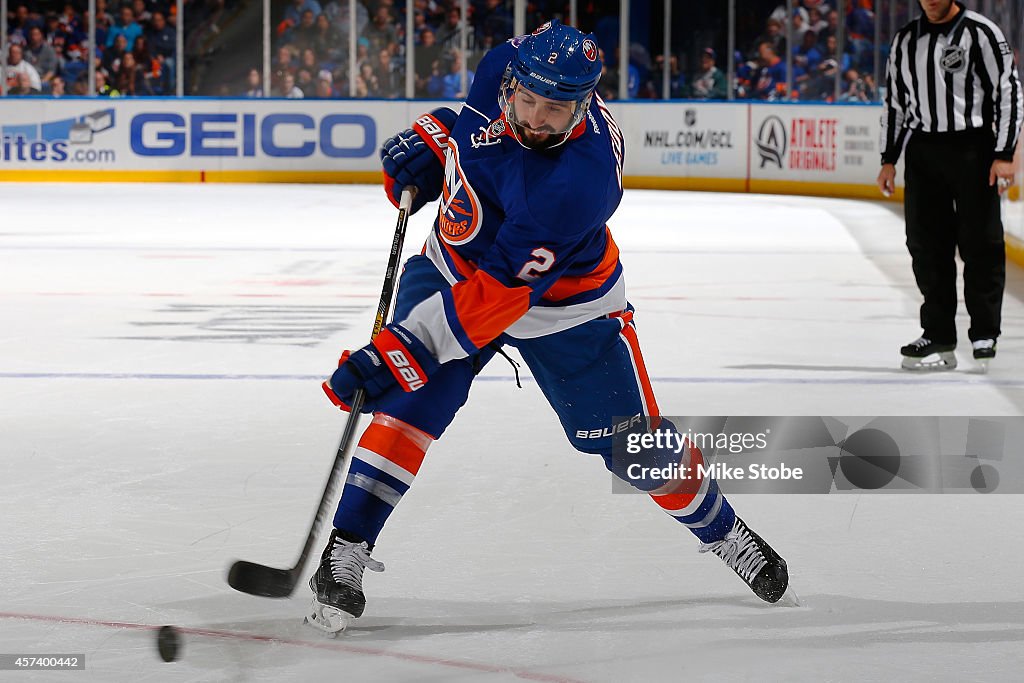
{"x": 335, "y": 646}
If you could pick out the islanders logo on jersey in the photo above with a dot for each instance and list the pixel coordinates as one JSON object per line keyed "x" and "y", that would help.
{"x": 459, "y": 215}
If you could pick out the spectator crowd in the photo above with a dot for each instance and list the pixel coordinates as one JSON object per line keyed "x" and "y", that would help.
{"x": 312, "y": 48}
{"x": 47, "y": 51}
{"x": 816, "y": 58}
{"x": 760, "y": 70}
{"x": 135, "y": 49}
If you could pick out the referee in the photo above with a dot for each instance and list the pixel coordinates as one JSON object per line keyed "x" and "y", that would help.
{"x": 954, "y": 101}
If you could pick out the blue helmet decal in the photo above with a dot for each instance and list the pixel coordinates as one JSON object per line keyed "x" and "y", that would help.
{"x": 557, "y": 62}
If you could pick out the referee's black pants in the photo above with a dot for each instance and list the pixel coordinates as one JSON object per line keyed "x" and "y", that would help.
{"x": 949, "y": 204}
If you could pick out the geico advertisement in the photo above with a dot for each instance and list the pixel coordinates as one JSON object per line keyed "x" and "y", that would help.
{"x": 697, "y": 139}
{"x": 815, "y": 143}
{"x": 202, "y": 134}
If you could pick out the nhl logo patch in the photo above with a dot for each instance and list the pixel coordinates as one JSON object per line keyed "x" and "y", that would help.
{"x": 590, "y": 50}
{"x": 497, "y": 128}
{"x": 952, "y": 59}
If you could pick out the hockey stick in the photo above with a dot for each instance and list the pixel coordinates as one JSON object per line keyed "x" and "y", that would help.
{"x": 258, "y": 579}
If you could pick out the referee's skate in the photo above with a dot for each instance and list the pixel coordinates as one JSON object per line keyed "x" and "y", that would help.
{"x": 984, "y": 351}
{"x": 924, "y": 354}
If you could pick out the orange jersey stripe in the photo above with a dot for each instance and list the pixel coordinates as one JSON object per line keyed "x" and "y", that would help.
{"x": 486, "y": 308}
{"x": 393, "y": 445}
{"x": 565, "y": 286}
{"x": 568, "y": 286}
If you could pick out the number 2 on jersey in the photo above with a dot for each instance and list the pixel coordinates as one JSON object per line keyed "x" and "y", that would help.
{"x": 532, "y": 270}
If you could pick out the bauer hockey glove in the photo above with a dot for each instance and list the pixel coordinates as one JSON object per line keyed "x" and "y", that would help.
{"x": 415, "y": 157}
{"x": 394, "y": 361}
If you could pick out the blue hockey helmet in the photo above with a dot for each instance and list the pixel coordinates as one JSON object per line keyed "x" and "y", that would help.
{"x": 557, "y": 62}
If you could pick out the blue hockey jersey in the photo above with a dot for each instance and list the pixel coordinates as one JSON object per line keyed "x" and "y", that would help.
{"x": 521, "y": 234}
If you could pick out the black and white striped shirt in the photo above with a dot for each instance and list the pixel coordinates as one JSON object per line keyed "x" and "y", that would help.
{"x": 949, "y": 77}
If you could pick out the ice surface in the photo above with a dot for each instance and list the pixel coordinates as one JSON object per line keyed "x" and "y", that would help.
{"x": 161, "y": 349}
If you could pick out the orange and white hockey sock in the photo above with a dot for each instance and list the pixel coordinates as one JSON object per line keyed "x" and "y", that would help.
{"x": 696, "y": 501}
{"x": 384, "y": 465}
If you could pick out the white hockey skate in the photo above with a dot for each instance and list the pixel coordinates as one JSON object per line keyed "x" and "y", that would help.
{"x": 984, "y": 351}
{"x": 924, "y": 354}
{"x": 338, "y": 585}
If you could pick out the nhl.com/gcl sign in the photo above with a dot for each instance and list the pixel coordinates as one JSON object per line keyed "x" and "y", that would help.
{"x": 276, "y": 134}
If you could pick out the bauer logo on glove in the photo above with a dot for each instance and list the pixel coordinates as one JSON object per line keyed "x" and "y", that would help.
{"x": 395, "y": 362}
{"x": 416, "y": 156}
{"x": 407, "y": 373}
{"x": 428, "y": 127}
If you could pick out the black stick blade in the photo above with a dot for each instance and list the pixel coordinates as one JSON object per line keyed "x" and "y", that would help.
{"x": 257, "y": 579}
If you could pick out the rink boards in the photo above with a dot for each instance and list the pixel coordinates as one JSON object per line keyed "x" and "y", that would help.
{"x": 739, "y": 147}
{"x": 825, "y": 150}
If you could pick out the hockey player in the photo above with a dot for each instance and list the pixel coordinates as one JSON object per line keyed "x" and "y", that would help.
{"x": 528, "y": 174}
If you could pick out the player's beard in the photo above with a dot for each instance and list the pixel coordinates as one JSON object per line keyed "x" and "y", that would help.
{"x": 541, "y": 139}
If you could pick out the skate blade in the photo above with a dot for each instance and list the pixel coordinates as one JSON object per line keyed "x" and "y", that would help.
{"x": 789, "y": 598}
{"x": 330, "y": 621}
{"x": 936, "y": 362}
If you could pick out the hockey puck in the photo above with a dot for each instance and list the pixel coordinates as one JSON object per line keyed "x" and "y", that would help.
{"x": 168, "y": 643}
